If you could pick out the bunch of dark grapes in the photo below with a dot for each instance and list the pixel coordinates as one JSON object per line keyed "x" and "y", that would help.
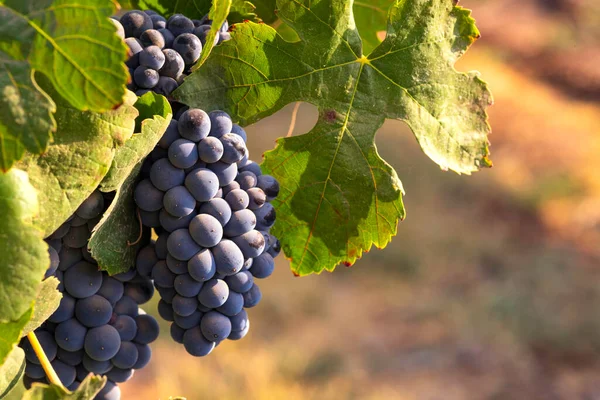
{"x": 211, "y": 208}
{"x": 98, "y": 327}
{"x": 163, "y": 51}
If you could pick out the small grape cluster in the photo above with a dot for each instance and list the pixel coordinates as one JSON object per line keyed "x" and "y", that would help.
{"x": 163, "y": 51}
{"x": 98, "y": 326}
{"x": 210, "y": 206}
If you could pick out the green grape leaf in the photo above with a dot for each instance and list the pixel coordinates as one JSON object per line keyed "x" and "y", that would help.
{"x": 338, "y": 197}
{"x": 242, "y": 10}
{"x": 218, "y": 14}
{"x": 24, "y": 253}
{"x": 265, "y": 10}
{"x": 371, "y": 18}
{"x": 111, "y": 242}
{"x": 48, "y": 36}
{"x": 80, "y": 156}
{"x": 89, "y": 388}
{"x": 46, "y": 302}
{"x": 10, "y": 333}
{"x": 12, "y": 370}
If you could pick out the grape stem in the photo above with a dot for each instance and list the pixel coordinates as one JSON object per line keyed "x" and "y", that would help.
{"x": 39, "y": 352}
{"x": 141, "y": 231}
{"x": 293, "y": 120}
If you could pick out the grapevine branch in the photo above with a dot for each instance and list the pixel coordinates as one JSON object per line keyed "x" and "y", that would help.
{"x": 293, "y": 120}
{"x": 39, "y": 352}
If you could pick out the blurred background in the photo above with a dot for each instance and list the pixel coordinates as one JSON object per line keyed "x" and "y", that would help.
{"x": 491, "y": 290}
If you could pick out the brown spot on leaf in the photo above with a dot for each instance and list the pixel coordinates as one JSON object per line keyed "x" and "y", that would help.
{"x": 329, "y": 115}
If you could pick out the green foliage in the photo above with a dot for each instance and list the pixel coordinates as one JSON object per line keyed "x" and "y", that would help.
{"x": 371, "y": 18}
{"x": 86, "y": 391}
{"x": 193, "y": 9}
{"x": 110, "y": 241}
{"x": 10, "y": 332}
{"x": 82, "y": 152}
{"x": 218, "y": 14}
{"x": 11, "y": 371}
{"x": 24, "y": 254}
{"x": 338, "y": 196}
{"x": 46, "y": 302}
{"x": 47, "y": 36}
{"x": 265, "y": 10}
{"x": 241, "y": 10}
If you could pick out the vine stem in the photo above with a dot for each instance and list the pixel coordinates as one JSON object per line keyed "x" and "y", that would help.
{"x": 293, "y": 120}
{"x": 39, "y": 352}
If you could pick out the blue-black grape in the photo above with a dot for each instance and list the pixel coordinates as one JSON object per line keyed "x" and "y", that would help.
{"x": 181, "y": 245}
{"x": 48, "y": 344}
{"x": 173, "y": 66}
{"x": 179, "y": 24}
{"x": 165, "y": 86}
{"x": 202, "y": 183}
{"x": 165, "y": 310}
{"x": 93, "y": 311}
{"x": 69, "y": 256}
{"x": 161, "y": 245}
{"x": 70, "y": 335}
{"x": 252, "y": 167}
{"x": 171, "y": 223}
{"x": 220, "y": 123}
{"x": 140, "y": 290}
{"x": 126, "y": 326}
{"x": 184, "y": 306}
{"x": 246, "y": 180}
{"x": 241, "y": 222}
{"x": 189, "y": 321}
{"x": 263, "y": 266}
{"x": 210, "y": 149}
{"x": 135, "y": 22}
{"x": 238, "y": 130}
{"x": 269, "y": 185}
{"x": 119, "y": 375}
{"x": 126, "y": 306}
{"x": 218, "y": 208}
{"x": 176, "y": 266}
{"x": 135, "y": 47}
{"x": 183, "y": 153}
{"x": 152, "y": 37}
{"x": 214, "y": 293}
{"x": 188, "y": 46}
{"x": 82, "y": 279}
{"x": 147, "y": 196}
{"x": 110, "y": 391}
{"x": 73, "y": 358}
{"x": 187, "y": 286}
{"x": 215, "y": 326}
{"x": 95, "y": 366}
{"x": 256, "y": 198}
{"x": 177, "y": 333}
{"x": 144, "y": 355}
{"x": 229, "y": 259}
{"x": 166, "y": 294}
{"x": 158, "y": 21}
{"x": 145, "y": 77}
{"x": 149, "y": 219}
{"x": 252, "y": 297}
{"x": 195, "y": 343}
{"x": 152, "y": 57}
{"x": 202, "y": 266}
{"x": 225, "y": 172}
{"x": 233, "y": 305}
{"x": 34, "y": 371}
{"x": 77, "y": 236}
{"x": 237, "y": 199}
{"x": 147, "y": 329}
{"x": 194, "y": 124}
{"x": 206, "y": 230}
{"x": 234, "y": 148}
{"x": 144, "y": 262}
{"x": 228, "y": 188}
{"x": 170, "y": 135}
{"x": 240, "y": 282}
{"x": 179, "y": 202}
{"x": 92, "y": 206}
{"x": 126, "y": 357}
{"x": 102, "y": 343}
{"x": 162, "y": 276}
{"x": 165, "y": 175}
{"x": 66, "y": 373}
{"x": 265, "y": 216}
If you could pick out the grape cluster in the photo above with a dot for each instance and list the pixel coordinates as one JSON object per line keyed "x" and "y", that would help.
{"x": 98, "y": 326}
{"x": 163, "y": 51}
{"x": 210, "y": 206}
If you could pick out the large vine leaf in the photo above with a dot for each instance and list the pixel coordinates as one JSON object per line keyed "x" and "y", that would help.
{"x": 11, "y": 371}
{"x": 88, "y": 388}
{"x": 110, "y": 241}
{"x": 194, "y": 9}
{"x": 82, "y": 152}
{"x": 242, "y": 10}
{"x": 338, "y": 196}
{"x": 24, "y": 255}
{"x": 75, "y": 46}
{"x": 46, "y": 302}
{"x": 218, "y": 14}
{"x": 371, "y": 18}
